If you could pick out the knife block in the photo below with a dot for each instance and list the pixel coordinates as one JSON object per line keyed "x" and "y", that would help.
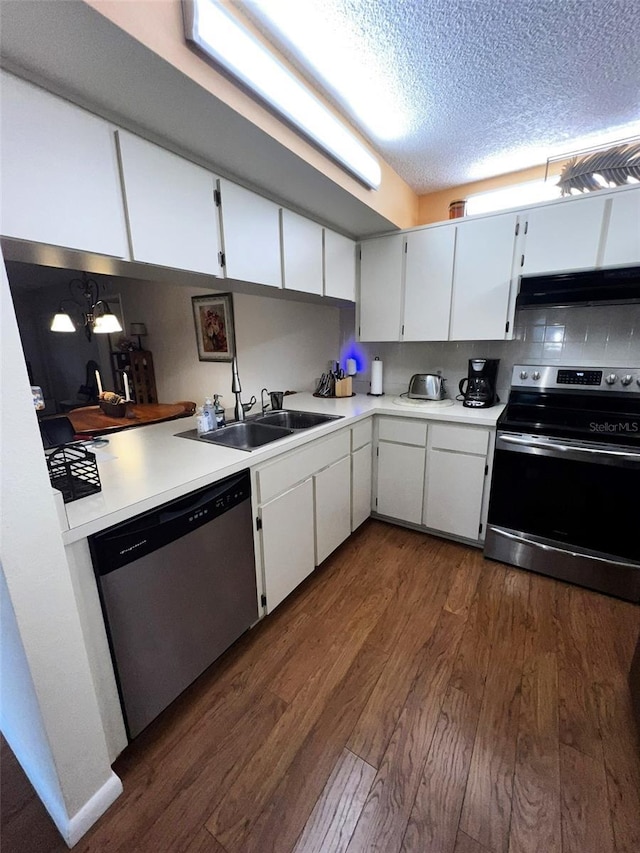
{"x": 344, "y": 387}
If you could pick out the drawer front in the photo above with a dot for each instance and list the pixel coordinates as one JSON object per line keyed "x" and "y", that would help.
{"x": 459, "y": 438}
{"x": 361, "y": 434}
{"x": 281, "y": 474}
{"x": 402, "y": 431}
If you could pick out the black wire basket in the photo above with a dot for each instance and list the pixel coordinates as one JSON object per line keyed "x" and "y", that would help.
{"x": 74, "y": 472}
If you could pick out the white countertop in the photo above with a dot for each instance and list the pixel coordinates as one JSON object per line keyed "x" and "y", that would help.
{"x": 144, "y": 467}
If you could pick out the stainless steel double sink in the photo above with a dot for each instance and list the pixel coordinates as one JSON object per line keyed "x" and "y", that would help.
{"x": 261, "y": 429}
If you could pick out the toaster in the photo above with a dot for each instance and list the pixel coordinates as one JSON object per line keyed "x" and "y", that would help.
{"x": 427, "y": 386}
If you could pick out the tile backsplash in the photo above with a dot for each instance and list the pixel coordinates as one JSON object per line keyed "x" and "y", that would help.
{"x": 607, "y": 335}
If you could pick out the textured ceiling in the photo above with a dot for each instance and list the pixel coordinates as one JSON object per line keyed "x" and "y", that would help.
{"x": 453, "y": 91}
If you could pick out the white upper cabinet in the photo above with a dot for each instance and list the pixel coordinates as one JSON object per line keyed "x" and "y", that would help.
{"x": 381, "y": 264}
{"x": 428, "y": 282}
{"x": 563, "y": 236}
{"x": 59, "y": 181}
{"x": 171, "y": 210}
{"x": 339, "y": 266}
{"x": 482, "y": 278}
{"x": 301, "y": 253}
{"x": 250, "y": 236}
{"x": 622, "y": 244}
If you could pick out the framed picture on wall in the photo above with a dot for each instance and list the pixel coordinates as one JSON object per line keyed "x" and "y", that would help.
{"x": 215, "y": 335}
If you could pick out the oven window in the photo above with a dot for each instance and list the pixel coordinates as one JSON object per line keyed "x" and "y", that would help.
{"x": 578, "y": 503}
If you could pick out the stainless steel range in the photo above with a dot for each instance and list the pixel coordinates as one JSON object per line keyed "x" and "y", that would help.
{"x": 565, "y": 492}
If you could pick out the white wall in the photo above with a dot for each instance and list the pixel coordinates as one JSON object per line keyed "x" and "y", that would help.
{"x": 49, "y": 714}
{"x": 281, "y": 345}
{"x": 607, "y": 335}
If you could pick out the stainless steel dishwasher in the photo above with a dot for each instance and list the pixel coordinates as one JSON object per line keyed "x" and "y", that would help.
{"x": 178, "y": 587}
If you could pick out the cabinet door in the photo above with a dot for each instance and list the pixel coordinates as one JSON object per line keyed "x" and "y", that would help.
{"x": 427, "y": 284}
{"x": 622, "y": 244}
{"x": 564, "y": 236}
{"x": 333, "y": 507}
{"x": 173, "y": 218}
{"x": 250, "y": 236}
{"x": 360, "y": 485}
{"x": 482, "y": 278}
{"x": 59, "y": 179}
{"x": 400, "y": 481}
{"x": 453, "y": 493}
{"x": 287, "y": 542}
{"x": 339, "y": 266}
{"x": 381, "y": 265}
{"x": 301, "y": 253}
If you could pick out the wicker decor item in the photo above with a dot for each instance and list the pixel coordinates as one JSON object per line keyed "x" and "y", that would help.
{"x": 74, "y": 472}
{"x": 601, "y": 169}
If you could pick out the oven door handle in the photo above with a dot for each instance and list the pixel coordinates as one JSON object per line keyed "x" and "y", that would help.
{"x": 608, "y": 456}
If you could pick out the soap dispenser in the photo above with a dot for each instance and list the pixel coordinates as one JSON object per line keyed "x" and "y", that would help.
{"x": 218, "y": 412}
{"x": 209, "y": 413}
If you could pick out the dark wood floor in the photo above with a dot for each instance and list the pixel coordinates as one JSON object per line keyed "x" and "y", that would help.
{"x": 411, "y": 696}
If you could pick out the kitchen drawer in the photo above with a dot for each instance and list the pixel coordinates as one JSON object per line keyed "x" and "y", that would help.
{"x": 403, "y": 431}
{"x": 285, "y": 472}
{"x": 361, "y": 434}
{"x": 459, "y": 438}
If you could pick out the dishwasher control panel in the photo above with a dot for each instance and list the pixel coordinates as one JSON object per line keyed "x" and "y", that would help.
{"x": 126, "y": 542}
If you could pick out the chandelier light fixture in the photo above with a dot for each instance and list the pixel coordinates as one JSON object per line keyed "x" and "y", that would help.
{"x": 89, "y": 312}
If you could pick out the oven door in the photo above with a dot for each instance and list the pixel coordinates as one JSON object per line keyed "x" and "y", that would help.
{"x": 567, "y": 509}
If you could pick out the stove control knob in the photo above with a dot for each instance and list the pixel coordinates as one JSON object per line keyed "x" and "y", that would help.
{"x": 523, "y": 374}
{"x": 627, "y": 380}
{"x": 535, "y": 375}
{"x": 611, "y": 379}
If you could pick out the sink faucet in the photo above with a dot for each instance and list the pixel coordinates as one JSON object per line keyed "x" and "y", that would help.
{"x": 240, "y": 408}
{"x": 236, "y": 389}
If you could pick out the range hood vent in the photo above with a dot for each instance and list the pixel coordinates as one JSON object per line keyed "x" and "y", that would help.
{"x": 592, "y": 287}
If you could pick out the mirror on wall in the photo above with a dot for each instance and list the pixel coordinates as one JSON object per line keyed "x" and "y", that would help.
{"x": 63, "y": 364}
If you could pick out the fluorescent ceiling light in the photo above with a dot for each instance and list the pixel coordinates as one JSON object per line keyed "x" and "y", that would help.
{"x": 224, "y": 39}
{"x": 359, "y": 70}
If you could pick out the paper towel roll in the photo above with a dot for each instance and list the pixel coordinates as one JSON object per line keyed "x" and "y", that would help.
{"x": 376, "y": 377}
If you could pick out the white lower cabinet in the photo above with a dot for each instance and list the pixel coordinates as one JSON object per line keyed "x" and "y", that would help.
{"x": 434, "y": 477}
{"x": 361, "y": 470}
{"x": 332, "y": 488}
{"x": 304, "y": 507}
{"x": 287, "y": 541}
{"x": 455, "y": 479}
{"x": 400, "y": 481}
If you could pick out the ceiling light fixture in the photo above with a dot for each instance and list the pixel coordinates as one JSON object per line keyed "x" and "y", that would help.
{"x": 222, "y": 37}
{"x": 92, "y": 313}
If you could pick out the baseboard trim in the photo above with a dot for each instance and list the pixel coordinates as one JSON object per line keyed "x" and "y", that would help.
{"x": 93, "y": 809}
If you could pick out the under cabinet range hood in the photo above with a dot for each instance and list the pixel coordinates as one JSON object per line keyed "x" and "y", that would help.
{"x": 590, "y": 287}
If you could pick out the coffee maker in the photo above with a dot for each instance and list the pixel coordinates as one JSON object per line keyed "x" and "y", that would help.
{"x": 480, "y": 390}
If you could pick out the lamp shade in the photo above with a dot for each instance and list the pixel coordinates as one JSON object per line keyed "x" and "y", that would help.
{"x": 106, "y": 323}
{"x": 62, "y": 322}
{"x": 138, "y": 329}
